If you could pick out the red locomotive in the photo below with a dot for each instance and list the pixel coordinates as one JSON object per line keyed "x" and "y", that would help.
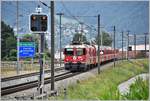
{"x": 81, "y": 57}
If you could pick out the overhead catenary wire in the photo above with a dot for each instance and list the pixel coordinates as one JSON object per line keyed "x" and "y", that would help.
{"x": 75, "y": 17}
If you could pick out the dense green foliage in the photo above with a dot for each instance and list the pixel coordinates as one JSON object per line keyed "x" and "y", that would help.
{"x": 9, "y": 43}
{"x": 105, "y": 85}
{"x": 106, "y": 39}
{"x": 79, "y": 38}
{"x": 27, "y": 38}
{"x": 138, "y": 91}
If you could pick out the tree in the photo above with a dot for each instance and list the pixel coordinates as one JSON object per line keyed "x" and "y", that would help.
{"x": 8, "y": 40}
{"x": 80, "y": 38}
{"x": 107, "y": 40}
{"x": 27, "y": 38}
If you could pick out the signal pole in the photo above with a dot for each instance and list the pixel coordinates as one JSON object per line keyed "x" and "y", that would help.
{"x": 98, "y": 44}
{"x": 60, "y": 15}
{"x": 114, "y": 46}
{"x": 41, "y": 78}
{"x": 145, "y": 44}
{"x": 52, "y": 45}
{"x": 122, "y": 45}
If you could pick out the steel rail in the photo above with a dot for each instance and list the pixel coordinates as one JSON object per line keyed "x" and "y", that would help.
{"x": 27, "y": 75}
{"x": 32, "y": 84}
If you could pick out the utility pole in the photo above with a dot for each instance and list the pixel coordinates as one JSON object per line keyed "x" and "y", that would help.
{"x": 52, "y": 44}
{"x": 18, "y": 40}
{"x": 60, "y": 15}
{"x": 114, "y": 46}
{"x": 122, "y": 45}
{"x": 135, "y": 46}
{"x": 145, "y": 45}
{"x": 98, "y": 44}
{"x": 128, "y": 45}
{"x": 81, "y": 30}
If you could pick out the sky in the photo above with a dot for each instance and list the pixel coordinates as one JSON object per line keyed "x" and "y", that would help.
{"x": 125, "y": 15}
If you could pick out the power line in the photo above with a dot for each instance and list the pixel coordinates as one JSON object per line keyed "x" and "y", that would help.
{"x": 75, "y": 17}
{"x": 44, "y": 4}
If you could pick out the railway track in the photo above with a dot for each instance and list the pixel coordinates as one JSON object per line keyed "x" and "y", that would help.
{"x": 32, "y": 74}
{"x": 27, "y": 75}
{"x": 32, "y": 84}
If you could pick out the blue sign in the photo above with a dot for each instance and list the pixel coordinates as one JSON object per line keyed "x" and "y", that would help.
{"x": 26, "y": 49}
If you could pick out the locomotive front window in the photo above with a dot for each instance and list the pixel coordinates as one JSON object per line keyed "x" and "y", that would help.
{"x": 80, "y": 52}
{"x": 69, "y": 51}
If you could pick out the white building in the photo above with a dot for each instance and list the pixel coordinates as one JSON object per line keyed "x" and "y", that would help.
{"x": 57, "y": 55}
{"x": 138, "y": 48}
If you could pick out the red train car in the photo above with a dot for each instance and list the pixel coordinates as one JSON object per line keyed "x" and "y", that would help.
{"x": 81, "y": 57}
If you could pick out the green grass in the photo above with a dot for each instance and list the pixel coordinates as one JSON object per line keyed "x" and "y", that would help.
{"x": 104, "y": 86}
{"x": 138, "y": 91}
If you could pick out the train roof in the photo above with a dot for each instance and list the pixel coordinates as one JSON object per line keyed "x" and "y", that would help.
{"x": 78, "y": 46}
{"x": 89, "y": 46}
{"x": 104, "y": 47}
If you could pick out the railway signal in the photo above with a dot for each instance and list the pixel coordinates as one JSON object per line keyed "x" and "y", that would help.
{"x": 38, "y": 23}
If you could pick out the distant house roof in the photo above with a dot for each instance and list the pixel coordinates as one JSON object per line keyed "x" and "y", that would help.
{"x": 138, "y": 47}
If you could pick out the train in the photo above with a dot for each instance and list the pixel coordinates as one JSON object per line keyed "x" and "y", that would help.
{"x": 82, "y": 57}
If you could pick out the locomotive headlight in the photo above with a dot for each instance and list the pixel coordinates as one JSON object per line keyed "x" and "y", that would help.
{"x": 74, "y": 57}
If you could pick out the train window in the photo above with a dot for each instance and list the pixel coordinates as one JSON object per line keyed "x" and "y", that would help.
{"x": 84, "y": 51}
{"x": 68, "y": 51}
{"x": 80, "y": 51}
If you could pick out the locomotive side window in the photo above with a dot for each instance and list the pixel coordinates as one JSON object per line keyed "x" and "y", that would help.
{"x": 68, "y": 51}
{"x": 84, "y": 51}
{"x": 80, "y": 51}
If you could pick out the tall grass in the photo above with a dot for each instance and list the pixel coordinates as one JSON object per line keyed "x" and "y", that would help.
{"x": 12, "y": 71}
{"x": 104, "y": 86}
{"x": 138, "y": 91}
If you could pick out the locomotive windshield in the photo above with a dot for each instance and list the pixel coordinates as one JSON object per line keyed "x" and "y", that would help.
{"x": 80, "y": 51}
{"x": 69, "y": 51}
